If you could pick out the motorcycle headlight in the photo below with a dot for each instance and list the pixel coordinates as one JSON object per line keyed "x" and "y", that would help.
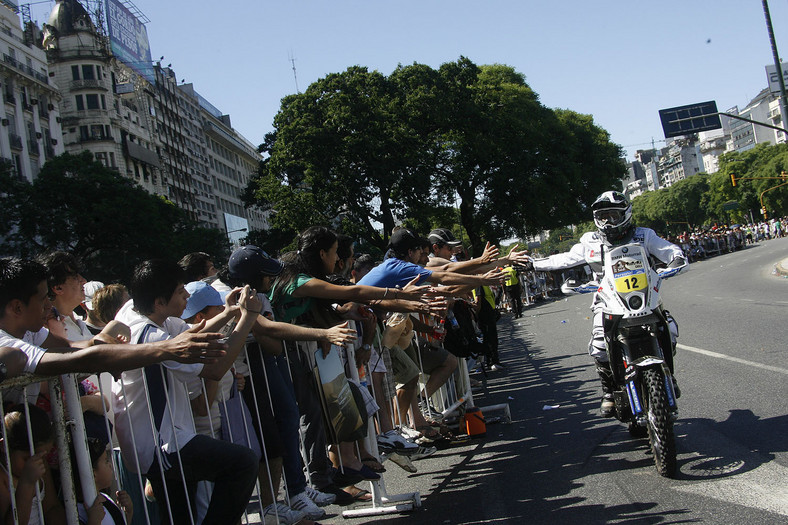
{"x": 635, "y": 302}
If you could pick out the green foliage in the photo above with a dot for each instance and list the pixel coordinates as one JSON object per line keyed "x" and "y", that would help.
{"x": 78, "y": 205}
{"x": 702, "y": 200}
{"x": 362, "y": 151}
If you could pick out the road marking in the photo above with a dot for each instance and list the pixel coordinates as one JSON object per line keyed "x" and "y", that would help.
{"x": 762, "y": 488}
{"x": 734, "y": 359}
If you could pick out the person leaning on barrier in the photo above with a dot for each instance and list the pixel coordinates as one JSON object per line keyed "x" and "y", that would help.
{"x": 172, "y": 453}
{"x": 24, "y": 305}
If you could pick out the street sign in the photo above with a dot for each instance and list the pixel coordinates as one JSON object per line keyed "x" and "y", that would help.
{"x": 774, "y": 78}
{"x": 693, "y": 118}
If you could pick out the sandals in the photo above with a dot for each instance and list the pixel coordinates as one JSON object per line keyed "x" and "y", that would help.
{"x": 428, "y": 432}
{"x": 373, "y": 464}
{"x": 443, "y": 429}
{"x": 358, "y": 494}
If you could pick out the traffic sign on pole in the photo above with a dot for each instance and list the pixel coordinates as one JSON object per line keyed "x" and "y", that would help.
{"x": 684, "y": 120}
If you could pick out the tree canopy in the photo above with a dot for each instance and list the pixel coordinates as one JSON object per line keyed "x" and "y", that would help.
{"x": 705, "y": 199}
{"x": 78, "y": 205}
{"x": 361, "y": 151}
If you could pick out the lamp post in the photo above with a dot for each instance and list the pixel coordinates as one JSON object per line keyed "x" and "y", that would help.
{"x": 236, "y": 241}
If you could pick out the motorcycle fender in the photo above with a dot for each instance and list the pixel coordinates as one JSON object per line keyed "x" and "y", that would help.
{"x": 648, "y": 361}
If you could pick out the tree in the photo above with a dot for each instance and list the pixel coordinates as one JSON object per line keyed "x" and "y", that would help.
{"x": 77, "y": 204}
{"x": 361, "y": 152}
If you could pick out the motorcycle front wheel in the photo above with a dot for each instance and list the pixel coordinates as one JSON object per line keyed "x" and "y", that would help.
{"x": 660, "y": 422}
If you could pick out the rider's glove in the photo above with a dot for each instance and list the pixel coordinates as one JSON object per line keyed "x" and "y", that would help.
{"x": 678, "y": 262}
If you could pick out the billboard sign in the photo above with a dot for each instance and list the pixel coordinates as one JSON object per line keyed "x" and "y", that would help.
{"x": 774, "y": 78}
{"x": 694, "y": 118}
{"x": 128, "y": 39}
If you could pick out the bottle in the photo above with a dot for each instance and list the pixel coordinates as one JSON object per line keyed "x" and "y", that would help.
{"x": 439, "y": 331}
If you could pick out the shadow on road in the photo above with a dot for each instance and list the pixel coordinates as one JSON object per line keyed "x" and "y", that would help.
{"x": 534, "y": 470}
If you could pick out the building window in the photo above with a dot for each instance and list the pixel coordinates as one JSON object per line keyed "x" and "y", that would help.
{"x": 74, "y": 72}
{"x": 92, "y": 101}
{"x": 80, "y": 103}
{"x": 87, "y": 73}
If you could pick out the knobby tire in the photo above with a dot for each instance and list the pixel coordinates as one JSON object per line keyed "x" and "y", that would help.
{"x": 660, "y": 422}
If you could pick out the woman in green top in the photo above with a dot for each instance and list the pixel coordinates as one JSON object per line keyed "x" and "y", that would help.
{"x": 304, "y": 279}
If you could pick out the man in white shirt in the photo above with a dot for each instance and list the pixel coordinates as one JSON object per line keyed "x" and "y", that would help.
{"x": 24, "y": 306}
{"x": 153, "y": 418}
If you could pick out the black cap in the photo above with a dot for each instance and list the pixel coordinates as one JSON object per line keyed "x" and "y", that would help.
{"x": 443, "y": 236}
{"x": 248, "y": 262}
{"x": 403, "y": 240}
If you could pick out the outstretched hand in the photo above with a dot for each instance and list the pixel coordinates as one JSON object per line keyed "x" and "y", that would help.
{"x": 519, "y": 257}
{"x": 414, "y": 291}
{"x": 340, "y": 335}
{"x": 494, "y": 276}
{"x": 490, "y": 253}
{"x": 192, "y": 346}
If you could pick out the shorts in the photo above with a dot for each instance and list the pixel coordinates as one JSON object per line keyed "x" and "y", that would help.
{"x": 431, "y": 356}
{"x": 404, "y": 368}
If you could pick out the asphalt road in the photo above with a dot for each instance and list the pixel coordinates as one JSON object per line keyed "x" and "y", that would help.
{"x": 559, "y": 462}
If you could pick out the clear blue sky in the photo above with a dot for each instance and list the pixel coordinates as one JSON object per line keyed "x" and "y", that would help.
{"x": 620, "y": 61}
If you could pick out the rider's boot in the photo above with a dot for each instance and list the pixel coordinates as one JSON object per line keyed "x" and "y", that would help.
{"x": 608, "y": 406}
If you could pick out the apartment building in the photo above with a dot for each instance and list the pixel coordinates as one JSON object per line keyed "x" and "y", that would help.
{"x": 30, "y": 130}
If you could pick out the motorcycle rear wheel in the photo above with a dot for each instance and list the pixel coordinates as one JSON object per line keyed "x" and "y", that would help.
{"x": 660, "y": 422}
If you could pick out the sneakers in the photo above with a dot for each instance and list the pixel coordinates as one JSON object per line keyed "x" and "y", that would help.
{"x": 415, "y": 435}
{"x": 302, "y": 502}
{"x": 429, "y": 412}
{"x": 321, "y": 499}
{"x": 286, "y": 515}
{"x": 393, "y": 441}
{"x": 423, "y": 452}
{"x": 496, "y": 367}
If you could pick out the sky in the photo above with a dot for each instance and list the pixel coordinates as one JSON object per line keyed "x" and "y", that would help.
{"x": 620, "y": 61}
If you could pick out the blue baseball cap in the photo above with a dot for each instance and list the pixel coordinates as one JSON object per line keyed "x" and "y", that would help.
{"x": 201, "y": 294}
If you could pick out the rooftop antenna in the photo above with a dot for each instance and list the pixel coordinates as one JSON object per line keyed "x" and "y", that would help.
{"x": 295, "y": 77}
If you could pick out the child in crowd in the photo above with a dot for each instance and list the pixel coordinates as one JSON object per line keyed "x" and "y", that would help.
{"x": 104, "y": 510}
{"x": 28, "y": 471}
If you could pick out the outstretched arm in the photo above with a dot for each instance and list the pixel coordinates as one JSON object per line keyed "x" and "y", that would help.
{"x": 188, "y": 347}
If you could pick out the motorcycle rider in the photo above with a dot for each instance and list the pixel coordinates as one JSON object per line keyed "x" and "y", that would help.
{"x": 613, "y": 218}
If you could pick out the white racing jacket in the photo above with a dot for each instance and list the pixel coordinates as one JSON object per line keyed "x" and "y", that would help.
{"x": 589, "y": 251}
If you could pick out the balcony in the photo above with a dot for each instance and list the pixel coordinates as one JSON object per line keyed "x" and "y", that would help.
{"x": 95, "y": 138}
{"x": 15, "y": 141}
{"x": 87, "y": 84}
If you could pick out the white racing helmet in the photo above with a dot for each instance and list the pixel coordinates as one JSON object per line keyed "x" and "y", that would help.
{"x": 612, "y": 214}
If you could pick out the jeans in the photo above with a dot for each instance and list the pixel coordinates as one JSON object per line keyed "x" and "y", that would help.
{"x": 287, "y": 418}
{"x": 232, "y": 469}
{"x": 315, "y": 442}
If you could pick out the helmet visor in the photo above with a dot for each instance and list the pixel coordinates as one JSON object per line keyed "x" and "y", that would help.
{"x": 609, "y": 216}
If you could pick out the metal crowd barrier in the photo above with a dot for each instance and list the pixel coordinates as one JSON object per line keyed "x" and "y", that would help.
{"x": 451, "y": 397}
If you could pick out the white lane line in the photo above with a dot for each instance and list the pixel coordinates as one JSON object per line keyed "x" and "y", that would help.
{"x": 734, "y": 359}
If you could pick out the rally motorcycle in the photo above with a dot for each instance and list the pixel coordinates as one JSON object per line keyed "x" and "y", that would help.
{"x": 639, "y": 347}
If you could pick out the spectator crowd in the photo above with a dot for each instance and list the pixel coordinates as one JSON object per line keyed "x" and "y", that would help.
{"x": 214, "y": 381}
{"x": 293, "y": 378}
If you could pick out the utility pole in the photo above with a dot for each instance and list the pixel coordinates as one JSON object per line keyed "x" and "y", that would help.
{"x": 778, "y": 65}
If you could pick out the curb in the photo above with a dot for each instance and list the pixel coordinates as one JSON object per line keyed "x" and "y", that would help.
{"x": 781, "y": 268}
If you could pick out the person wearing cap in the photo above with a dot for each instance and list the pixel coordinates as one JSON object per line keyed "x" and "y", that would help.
{"x": 92, "y": 321}
{"x": 213, "y": 404}
{"x": 443, "y": 245}
{"x": 402, "y": 267}
{"x": 279, "y": 428}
